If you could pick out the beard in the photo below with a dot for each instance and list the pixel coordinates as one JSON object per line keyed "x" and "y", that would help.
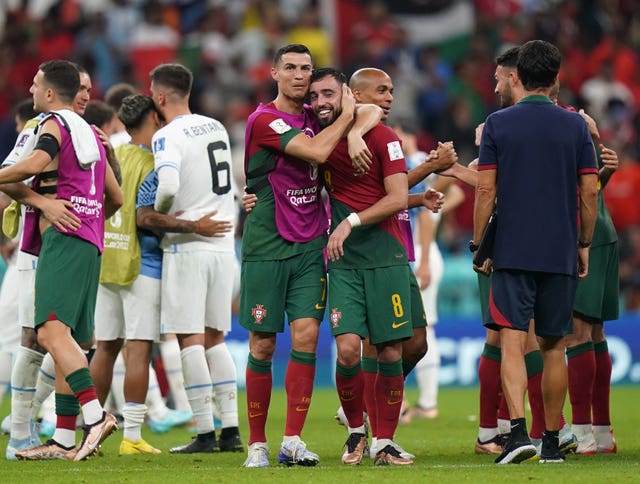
{"x": 506, "y": 98}
{"x": 328, "y": 120}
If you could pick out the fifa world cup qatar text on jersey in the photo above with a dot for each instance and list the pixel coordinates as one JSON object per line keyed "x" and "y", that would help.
{"x": 84, "y": 188}
{"x": 370, "y": 246}
{"x": 198, "y": 148}
{"x": 290, "y": 217}
{"x": 538, "y": 150}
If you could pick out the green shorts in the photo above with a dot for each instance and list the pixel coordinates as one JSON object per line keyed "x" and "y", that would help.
{"x": 598, "y": 294}
{"x": 296, "y": 286}
{"x": 418, "y": 316}
{"x": 67, "y": 283}
{"x": 374, "y": 302}
{"x": 484, "y": 287}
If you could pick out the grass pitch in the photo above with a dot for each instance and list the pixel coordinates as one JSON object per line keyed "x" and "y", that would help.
{"x": 443, "y": 448}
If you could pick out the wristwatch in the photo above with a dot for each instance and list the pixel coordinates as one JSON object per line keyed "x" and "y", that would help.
{"x": 473, "y": 247}
{"x": 583, "y": 245}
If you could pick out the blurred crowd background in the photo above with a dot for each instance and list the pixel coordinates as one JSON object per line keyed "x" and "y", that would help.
{"x": 439, "y": 53}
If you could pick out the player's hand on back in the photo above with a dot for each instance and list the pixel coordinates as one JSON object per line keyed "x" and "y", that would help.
{"x": 609, "y": 158}
{"x": 57, "y": 212}
{"x": 210, "y": 227}
{"x": 249, "y": 201}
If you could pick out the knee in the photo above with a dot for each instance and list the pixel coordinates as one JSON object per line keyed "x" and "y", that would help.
{"x": 305, "y": 337}
{"x": 109, "y": 348}
{"x": 42, "y": 339}
{"x": 213, "y": 337}
{"x": 263, "y": 348}
{"x": 29, "y": 339}
{"x": 414, "y": 349}
{"x": 348, "y": 353}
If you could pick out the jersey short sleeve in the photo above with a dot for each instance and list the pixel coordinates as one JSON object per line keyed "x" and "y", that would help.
{"x": 147, "y": 192}
{"x": 488, "y": 155}
{"x": 388, "y": 148}
{"x": 25, "y": 143}
{"x": 272, "y": 133}
{"x": 166, "y": 149}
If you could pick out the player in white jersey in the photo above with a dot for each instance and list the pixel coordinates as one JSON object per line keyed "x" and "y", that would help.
{"x": 193, "y": 164}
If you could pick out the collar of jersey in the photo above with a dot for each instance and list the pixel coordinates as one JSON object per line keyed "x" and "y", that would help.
{"x": 535, "y": 98}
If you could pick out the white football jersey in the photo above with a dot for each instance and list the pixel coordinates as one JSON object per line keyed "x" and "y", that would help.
{"x": 25, "y": 143}
{"x": 198, "y": 148}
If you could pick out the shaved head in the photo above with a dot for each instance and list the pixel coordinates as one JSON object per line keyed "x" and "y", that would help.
{"x": 362, "y": 78}
{"x": 373, "y": 86}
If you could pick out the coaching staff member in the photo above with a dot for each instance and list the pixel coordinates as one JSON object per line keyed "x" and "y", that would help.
{"x": 535, "y": 158}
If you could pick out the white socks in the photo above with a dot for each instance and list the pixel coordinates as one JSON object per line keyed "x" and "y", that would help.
{"x": 487, "y": 434}
{"x": 427, "y": 373}
{"x": 5, "y": 372}
{"x": 133, "y": 414}
{"x": 225, "y": 384}
{"x": 65, "y": 437}
{"x": 197, "y": 383}
{"x": 157, "y": 408}
{"x": 23, "y": 387}
{"x": 170, "y": 351}
{"x": 117, "y": 384}
{"x": 45, "y": 384}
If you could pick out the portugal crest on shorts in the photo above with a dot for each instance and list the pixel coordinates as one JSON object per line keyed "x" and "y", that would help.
{"x": 258, "y": 313}
{"x": 335, "y": 317}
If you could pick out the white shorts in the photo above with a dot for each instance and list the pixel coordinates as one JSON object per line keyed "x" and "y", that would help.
{"x": 26, "y": 297}
{"x": 10, "y": 330}
{"x": 129, "y": 312}
{"x": 430, "y": 294}
{"x": 197, "y": 288}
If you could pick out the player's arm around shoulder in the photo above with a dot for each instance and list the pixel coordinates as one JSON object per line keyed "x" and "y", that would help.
{"x": 44, "y": 154}
{"x": 368, "y": 116}
{"x": 317, "y": 149}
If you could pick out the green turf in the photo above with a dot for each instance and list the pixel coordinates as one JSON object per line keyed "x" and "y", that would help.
{"x": 443, "y": 448}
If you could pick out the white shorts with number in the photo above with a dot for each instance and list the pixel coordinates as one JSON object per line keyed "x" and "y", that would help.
{"x": 197, "y": 288}
{"x": 129, "y": 312}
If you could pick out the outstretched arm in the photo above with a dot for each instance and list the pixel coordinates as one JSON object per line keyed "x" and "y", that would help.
{"x": 446, "y": 156}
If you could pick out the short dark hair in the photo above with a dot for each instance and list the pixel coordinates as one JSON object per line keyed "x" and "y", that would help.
{"x": 134, "y": 109}
{"x": 323, "y": 72}
{"x": 98, "y": 113}
{"x": 175, "y": 76}
{"x": 81, "y": 68}
{"x": 538, "y": 64}
{"x": 63, "y": 76}
{"x": 116, "y": 93}
{"x": 509, "y": 58}
{"x": 295, "y": 48}
{"x": 24, "y": 110}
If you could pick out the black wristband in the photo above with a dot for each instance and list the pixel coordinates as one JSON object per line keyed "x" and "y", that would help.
{"x": 583, "y": 245}
{"x": 473, "y": 247}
